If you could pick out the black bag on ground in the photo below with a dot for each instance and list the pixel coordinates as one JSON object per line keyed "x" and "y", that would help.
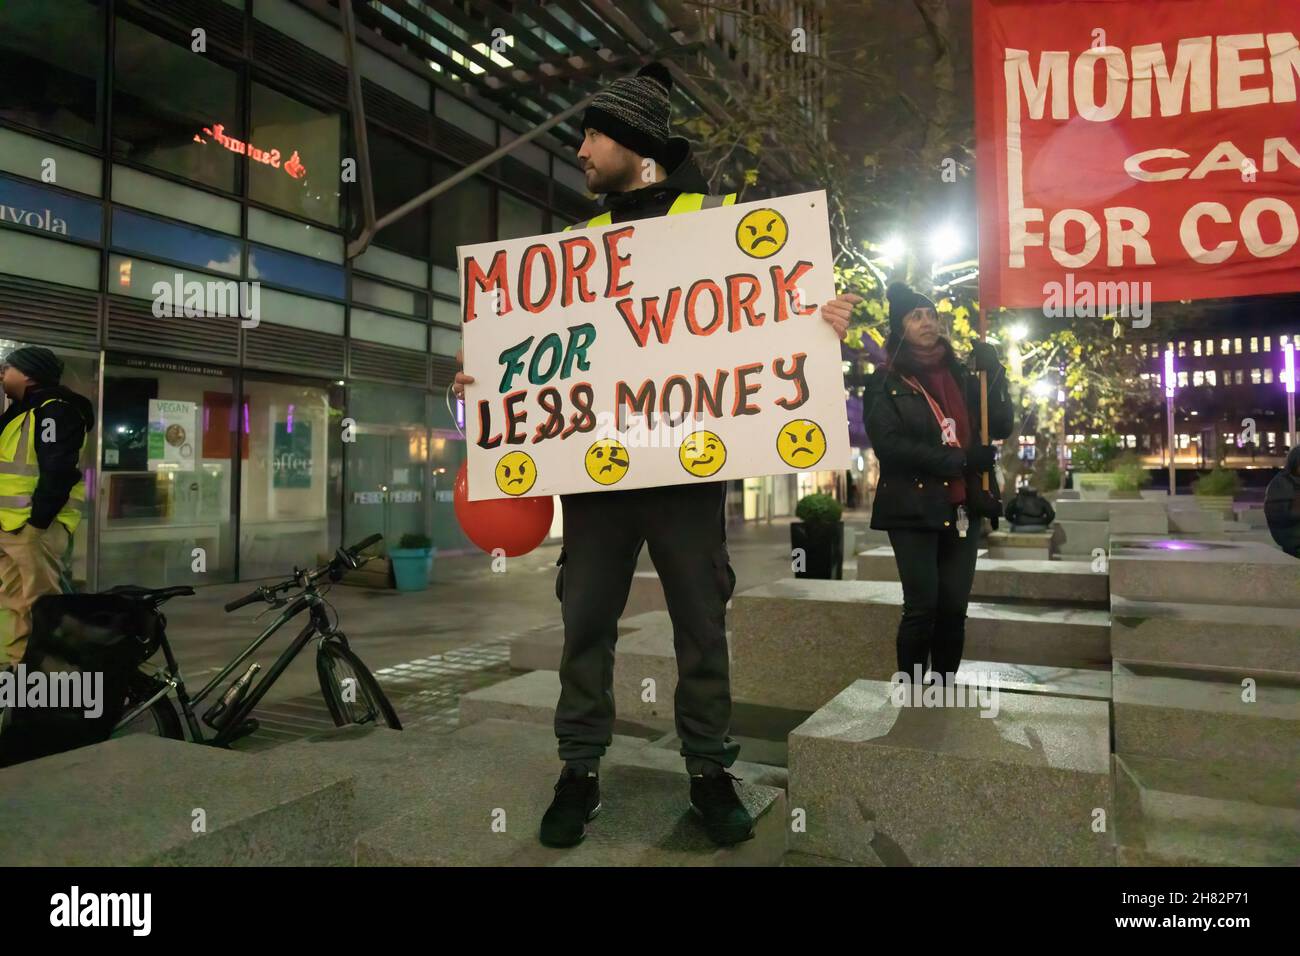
{"x": 90, "y": 646}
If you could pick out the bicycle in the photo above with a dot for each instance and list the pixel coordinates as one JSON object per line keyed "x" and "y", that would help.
{"x": 352, "y": 698}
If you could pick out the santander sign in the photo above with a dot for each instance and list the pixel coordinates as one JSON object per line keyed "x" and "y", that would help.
{"x": 271, "y": 157}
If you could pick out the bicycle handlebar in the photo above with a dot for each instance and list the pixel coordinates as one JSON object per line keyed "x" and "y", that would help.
{"x": 365, "y": 543}
{"x": 249, "y": 598}
{"x": 263, "y": 593}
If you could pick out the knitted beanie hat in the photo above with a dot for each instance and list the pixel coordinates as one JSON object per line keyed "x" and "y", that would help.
{"x": 37, "y": 363}
{"x": 634, "y": 110}
{"x": 902, "y": 300}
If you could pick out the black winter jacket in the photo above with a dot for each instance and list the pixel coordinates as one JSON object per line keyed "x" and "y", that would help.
{"x": 57, "y": 460}
{"x": 684, "y": 176}
{"x": 1282, "y": 505}
{"x": 916, "y": 467}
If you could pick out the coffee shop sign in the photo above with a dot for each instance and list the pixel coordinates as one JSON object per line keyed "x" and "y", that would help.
{"x": 271, "y": 157}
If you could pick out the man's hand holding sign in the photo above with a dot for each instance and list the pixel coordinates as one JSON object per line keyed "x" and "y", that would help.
{"x": 654, "y": 352}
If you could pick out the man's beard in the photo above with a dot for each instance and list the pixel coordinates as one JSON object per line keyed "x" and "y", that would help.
{"x": 602, "y": 183}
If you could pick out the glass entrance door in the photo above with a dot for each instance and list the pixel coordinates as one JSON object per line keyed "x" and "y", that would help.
{"x": 385, "y": 483}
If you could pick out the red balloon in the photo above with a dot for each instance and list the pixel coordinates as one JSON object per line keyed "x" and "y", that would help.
{"x": 516, "y": 525}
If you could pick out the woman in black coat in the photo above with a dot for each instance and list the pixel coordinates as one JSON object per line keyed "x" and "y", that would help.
{"x": 924, "y": 425}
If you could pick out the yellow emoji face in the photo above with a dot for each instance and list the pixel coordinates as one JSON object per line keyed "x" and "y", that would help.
{"x": 702, "y": 454}
{"x": 801, "y": 443}
{"x": 606, "y": 461}
{"x": 761, "y": 233}
{"x": 516, "y": 473}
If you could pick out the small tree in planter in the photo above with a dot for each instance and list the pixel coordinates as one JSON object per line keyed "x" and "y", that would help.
{"x": 412, "y": 561}
{"x": 1215, "y": 491}
{"x": 1090, "y": 460}
{"x": 818, "y": 537}
{"x": 1130, "y": 477}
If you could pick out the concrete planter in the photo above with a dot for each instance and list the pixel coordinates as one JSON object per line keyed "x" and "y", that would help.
{"x": 1215, "y": 504}
{"x": 1094, "y": 486}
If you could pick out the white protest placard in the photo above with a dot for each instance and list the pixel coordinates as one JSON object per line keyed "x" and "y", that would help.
{"x": 660, "y": 351}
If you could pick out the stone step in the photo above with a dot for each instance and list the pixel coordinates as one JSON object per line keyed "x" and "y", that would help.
{"x": 796, "y": 643}
{"x": 1133, "y": 515}
{"x": 1195, "y": 714}
{"x": 1036, "y": 679}
{"x": 1249, "y": 640}
{"x": 1231, "y": 572}
{"x": 1069, "y": 582}
{"x": 531, "y": 698}
{"x": 1080, "y": 538}
{"x": 132, "y": 801}
{"x": 943, "y": 786}
{"x": 1020, "y": 545}
{"x": 1205, "y": 813}
{"x": 487, "y": 791}
{"x": 1195, "y": 521}
{"x": 541, "y": 648}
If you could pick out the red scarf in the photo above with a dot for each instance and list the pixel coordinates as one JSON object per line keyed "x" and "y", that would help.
{"x": 932, "y": 369}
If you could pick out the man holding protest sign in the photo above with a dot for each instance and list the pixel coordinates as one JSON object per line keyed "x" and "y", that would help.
{"x": 629, "y": 156}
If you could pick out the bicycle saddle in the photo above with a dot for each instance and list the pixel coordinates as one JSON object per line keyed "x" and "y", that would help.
{"x": 155, "y": 596}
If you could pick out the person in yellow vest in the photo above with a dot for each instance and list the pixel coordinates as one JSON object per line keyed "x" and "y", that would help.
{"x": 628, "y": 155}
{"x": 41, "y": 491}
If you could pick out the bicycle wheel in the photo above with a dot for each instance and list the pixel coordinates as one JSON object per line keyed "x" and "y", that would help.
{"x": 160, "y": 719}
{"x": 350, "y": 690}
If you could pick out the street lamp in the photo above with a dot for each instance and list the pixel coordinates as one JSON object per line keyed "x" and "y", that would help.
{"x": 945, "y": 242}
{"x": 893, "y": 248}
{"x": 1018, "y": 331}
{"x": 1169, "y": 414}
{"x": 1288, "y": 350}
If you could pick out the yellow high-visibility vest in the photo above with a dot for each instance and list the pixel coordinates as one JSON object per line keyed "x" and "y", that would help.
{"x": 19, "y": 473}
{"x": 685, "y": 202}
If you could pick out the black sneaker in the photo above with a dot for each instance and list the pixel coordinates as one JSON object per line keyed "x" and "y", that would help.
{"x": 577, "y": 800}
{"x": 714, "y": 798}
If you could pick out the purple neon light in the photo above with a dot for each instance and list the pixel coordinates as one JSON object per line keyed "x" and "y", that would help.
{"x": 1289, "y": 351}
{"x": 288, "y": 425}
{"x": 1169, "y": 373}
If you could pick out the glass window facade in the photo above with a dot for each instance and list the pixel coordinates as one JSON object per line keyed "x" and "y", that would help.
{"x": 296, "y": 272}
{"x": 294, "y": 156}
{"x": 517, "y": 218}
{"x": 291, "y": 480}
{"x": 166, "y": 478}
{"x": 218, "y": 169}
{"x": 406, "y": 175}
{"x": 461, "y": 216}
{"x": 50, "y": 66}
{"x": 175, "y": 111}
{"x": 24, "y": 205}
{"x": 206, "y": 250}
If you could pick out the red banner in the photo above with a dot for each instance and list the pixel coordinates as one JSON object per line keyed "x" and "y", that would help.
{"x": 1148, "y": 144}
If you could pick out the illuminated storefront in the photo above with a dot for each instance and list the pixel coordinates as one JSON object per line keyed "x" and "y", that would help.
{"x": 132, "y": 163}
